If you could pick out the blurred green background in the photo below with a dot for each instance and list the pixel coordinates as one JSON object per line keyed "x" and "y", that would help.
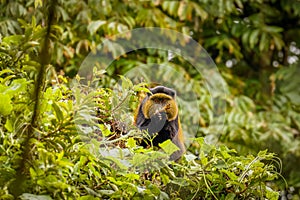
{"x": 254, "y": 43}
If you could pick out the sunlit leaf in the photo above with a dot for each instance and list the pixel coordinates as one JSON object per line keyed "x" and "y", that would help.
{"x": 5, "y": 104}
{"x": 169, "y": 147}
{"x": 95, "y": 25}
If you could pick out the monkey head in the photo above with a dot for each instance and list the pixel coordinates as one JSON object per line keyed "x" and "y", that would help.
{"x": 159, "y": 102}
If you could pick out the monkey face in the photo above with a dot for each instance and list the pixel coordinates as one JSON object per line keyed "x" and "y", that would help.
{"x": 159, "y": 103}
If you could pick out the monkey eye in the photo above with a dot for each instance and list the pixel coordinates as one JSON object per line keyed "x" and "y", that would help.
{"x": 158, "y": 99}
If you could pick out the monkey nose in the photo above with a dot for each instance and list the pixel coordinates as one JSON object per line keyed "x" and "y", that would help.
{"x": 155, "y": 109}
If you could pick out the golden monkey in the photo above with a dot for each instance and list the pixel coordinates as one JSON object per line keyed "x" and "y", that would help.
{"x": 158, "y": 113}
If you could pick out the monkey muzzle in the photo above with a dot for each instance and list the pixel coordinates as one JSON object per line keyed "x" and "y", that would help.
{"x": 156, "y": 109}
{"x": 158, "y": 117}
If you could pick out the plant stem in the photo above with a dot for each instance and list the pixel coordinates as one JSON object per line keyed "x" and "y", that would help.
{"x": 17, "y": 186}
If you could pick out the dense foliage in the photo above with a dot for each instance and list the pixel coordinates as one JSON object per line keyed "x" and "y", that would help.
{"x": 54, "y": 129}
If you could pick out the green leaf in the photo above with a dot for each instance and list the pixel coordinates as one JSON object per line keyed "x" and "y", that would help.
{"x": 171, "y": 7}
{"x": 230, "y": 196}
{"x": 63, "y": 13}
{"x": 33, "y": 19}
{"x": 16, "y": 86}
{"x": 139, "y": 158}
{"x": 165, "y": 179}
{"x": 190, "y": 157}
{"x": 131, "y": 143}
{"x": 27, "y": 196}
{"x": 271, "y": 194}
{"x": 263, "y": 43}
{"x": 13, "y": 39}
{"x": 95, "y": 25}
{"x": 182, "y": 10}
{"x": 230, "y": 174}
{"x": 273, "y": 29}
{"x": 6, "y": 71}
{"x": 9, "y": 77}
{"x": 30, "y": 44}
{"x": 262, "y": 153}
{"x": 253, "y": 38}
{"x": 180, "y": 182}
{"x": 126, "y": 83}
{"x": 105, "y": 129}
{"x": 106, "y": 192}
{"x": 138, "y": 88}
{"x": 224, "y": 152}
{"x": 87, "y": 197}
{"x": 169, "y": 147}
{"x": 200, "y": 11}
{"x": 212, "y": 41}
{"x": 132, "y": 176}
{"x": 9, "y": 125}
{"x": 58, "y": 113}
{"x": 5, "y": 104}
{"x": 279, "y": 43}
{"x": 33, "y": 173}
{"x": 245, "y": 37}
{"x": 38, "y": 3}
{"x": 118, "y": 162}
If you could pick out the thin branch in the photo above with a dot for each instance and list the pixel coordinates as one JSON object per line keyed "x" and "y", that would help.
{"x": 45, "y": 55}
